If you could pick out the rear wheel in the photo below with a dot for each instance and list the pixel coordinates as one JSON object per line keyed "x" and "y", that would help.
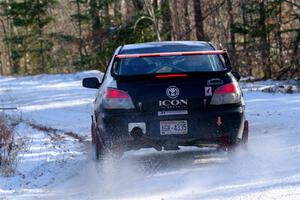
{"x": 243, "y": 143}
{"x": 99, "y": 150}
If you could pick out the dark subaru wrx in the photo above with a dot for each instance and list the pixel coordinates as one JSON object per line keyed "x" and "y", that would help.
{"x": 165, "y": 95}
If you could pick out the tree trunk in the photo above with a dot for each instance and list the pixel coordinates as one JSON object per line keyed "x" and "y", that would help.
{"x": 40, "y": 33}
{"x": 96, "y": 25}
{"x": 187, "y": 20}
{"x": 7, "y": 45}
{"x": 166, "y": 20}
{"x": 198, "y": 20}
{"x": 151, "y": 12}
{"x": 175, "y": 21}
{"x": 232, "y": 49}
{"x": 106, "y": 15}
{"x": 1, "y": 66}
{"x": 296, "y": 55}
{"x": 80, "y": 33}
{"x": 244, "y": 23}
{"x": 245, "y": 55}
{"x": 118, "y": 11}
{"x": 138, "y": 5}
{"x": 155, "y": 4}
{"x": 264, "y": 44}
{"x": 279, "y": 38}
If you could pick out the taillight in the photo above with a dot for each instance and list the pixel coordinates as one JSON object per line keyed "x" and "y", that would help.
{"x": 115, "y": 94}
{"x": 117, "y": 99}
{"x": 227, "y": 94}
{"x": 226, "y": 89}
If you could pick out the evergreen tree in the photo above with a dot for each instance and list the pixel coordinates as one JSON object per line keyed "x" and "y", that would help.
{"x": 256, "y": 25}
{"x": 81, "y": 17}
{"x": 29, "y": 44}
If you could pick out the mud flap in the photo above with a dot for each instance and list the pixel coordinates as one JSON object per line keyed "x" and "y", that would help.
{"x": 245, "y": 132}
{"x": 98, "y": 146}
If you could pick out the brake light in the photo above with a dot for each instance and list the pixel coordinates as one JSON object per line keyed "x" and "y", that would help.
{"x": 117, "y": 99}
{"x": 114, "y": 94}
{"x": 171, "y": 75}
{"x": 227, "y": 94}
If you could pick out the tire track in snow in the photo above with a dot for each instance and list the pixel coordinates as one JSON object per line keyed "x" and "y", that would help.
{"x": 57, "y": 134}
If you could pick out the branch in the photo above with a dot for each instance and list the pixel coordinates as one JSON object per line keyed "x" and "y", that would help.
{"x": 141, "y": 18}
{"x": 212, "y": 10}
{"x": 3, "y": 26}
{"x": 151, "y": 13}
{"x": 148, "y": 8}
{"x": 292, "y": 3}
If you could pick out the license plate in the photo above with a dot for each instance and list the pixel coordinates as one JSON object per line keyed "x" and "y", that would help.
{"x": 173, "y": 127}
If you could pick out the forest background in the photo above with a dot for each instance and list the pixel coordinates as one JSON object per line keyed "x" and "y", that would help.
{"x": 50, "y": 36}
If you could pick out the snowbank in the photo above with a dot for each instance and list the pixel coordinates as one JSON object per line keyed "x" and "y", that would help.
{"x": 271, "y": 86}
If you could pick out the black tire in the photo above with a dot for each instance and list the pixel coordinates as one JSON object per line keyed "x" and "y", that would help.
{"x": 242, "y": 145}
{"x": 100, "y": 150}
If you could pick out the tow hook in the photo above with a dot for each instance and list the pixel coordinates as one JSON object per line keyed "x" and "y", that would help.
{"x": 219, "y": 121}
{"x": 137, "y": 134}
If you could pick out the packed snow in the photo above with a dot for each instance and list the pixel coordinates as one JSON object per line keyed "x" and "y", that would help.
{"x": 54, "y": 115}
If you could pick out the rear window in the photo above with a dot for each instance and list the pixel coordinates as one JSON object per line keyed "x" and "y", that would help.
{"x": 168, "y": 64}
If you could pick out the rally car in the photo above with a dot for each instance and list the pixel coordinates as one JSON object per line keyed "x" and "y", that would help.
{"x": 164, "y": 95}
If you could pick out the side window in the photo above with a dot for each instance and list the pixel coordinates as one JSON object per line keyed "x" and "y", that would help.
{"x": 107, "y": 71}
{"x": 222, "y": 59}
{"x": 115, "y": 67}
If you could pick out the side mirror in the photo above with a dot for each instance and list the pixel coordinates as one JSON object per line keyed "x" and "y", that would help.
{"x": 91, "y": 82}
{"x": 236, "y": 75}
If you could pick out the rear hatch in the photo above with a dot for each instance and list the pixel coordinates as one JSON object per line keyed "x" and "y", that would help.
{"x": 171, "y": 82}
{"x": 171, "y": 96}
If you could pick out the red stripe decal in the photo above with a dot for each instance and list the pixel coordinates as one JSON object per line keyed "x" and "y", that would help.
{"x": 170, "y": 54}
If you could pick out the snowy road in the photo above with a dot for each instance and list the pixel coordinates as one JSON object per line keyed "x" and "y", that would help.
{"x": 57, "y": 163}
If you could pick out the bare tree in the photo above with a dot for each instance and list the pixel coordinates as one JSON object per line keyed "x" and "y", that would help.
{"x": 175, "y": 20}
{"x": 198, "y": 20}
{"x": 264, "y": 43}
{"x": 187, "y": 19}
{"x": 166, "y": 19}
{"x": 232, "y": 49}
{"x": 153, "y": 18}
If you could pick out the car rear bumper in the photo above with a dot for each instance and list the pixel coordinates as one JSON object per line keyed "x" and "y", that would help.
{"x": 205, "y": 128}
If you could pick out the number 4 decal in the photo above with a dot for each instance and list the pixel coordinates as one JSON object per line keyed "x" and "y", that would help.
{"x": 208, "y": 91}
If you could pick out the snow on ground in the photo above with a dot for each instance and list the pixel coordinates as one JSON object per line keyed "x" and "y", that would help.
{"x": 271, "y": 86}
{"x": 57, "y": 164}
{"x": 55, "y": 100}
{"x": 58, "y": 104}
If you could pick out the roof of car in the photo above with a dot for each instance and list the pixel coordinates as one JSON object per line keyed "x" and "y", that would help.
{"x": 166, "y": 46}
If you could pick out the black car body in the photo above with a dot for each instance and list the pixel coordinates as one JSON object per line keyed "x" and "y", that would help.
{"x": 165, "y": 95}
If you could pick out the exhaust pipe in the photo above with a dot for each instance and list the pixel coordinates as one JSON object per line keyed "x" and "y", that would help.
{"x": 137, "y": 134}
